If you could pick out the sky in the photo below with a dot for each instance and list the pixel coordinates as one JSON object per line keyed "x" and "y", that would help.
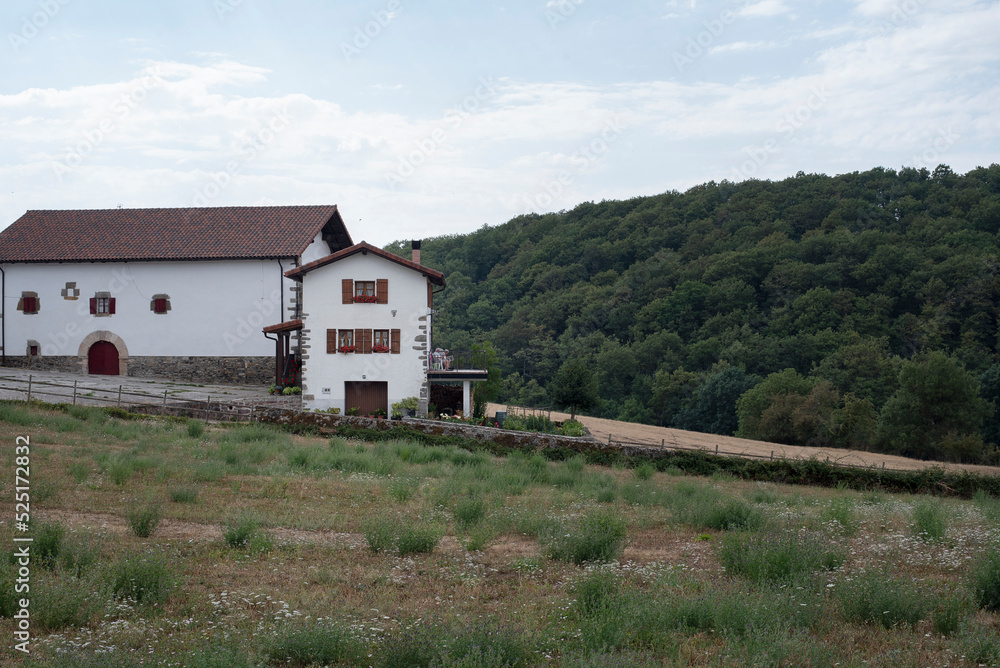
{"x": 422, "y": 118}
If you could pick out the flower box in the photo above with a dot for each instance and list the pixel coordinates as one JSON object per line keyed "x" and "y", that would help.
{"x": 380, "y": 349}
{"x": 365, "y": 299}
{"x": 346, "y": 349}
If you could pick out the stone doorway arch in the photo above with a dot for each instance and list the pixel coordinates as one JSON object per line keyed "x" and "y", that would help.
{"x": 107, "y": 337}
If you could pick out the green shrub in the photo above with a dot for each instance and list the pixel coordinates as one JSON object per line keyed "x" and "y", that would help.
{"x": 881, "y": 599}
{"x": 184, "y": 494}
{"x": 144, "y": 579}
{"x": 984, "y": 581}
{"x": 119, "y": 468}
{"x": 572, "y": 428}
{"x": 980, "y": 644}
{"x": 480, "y": 645}
{"x": 144, "y": 519}
{"x": 80, "y": 552}
{"x": 951, "y": 611}
{"x": 380, "y": 534}
{"x": 597, "y": 593}
{"x": 314, "y": 643}
{"x": 403, "y": 489}
{"x": 240, "y": 530}
{"x": 469, "y": 510}
{"x": 417, "y": 540}
{"x": 644, "y": 472}
{"x": 47, "y": 543}
{"x": 195, "y": 428}
{"x": 775, "y": 556}
{"x": 58, "y": 603}
{"x": 597, "y": 537}
{"x": 930, "y": 520}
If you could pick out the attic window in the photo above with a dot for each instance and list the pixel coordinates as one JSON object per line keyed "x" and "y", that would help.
{"x": 28, "y": 303}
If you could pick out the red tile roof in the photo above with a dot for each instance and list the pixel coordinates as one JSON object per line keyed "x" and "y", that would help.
{"x": 202, "y": 233}
{"x": 435, "y": 276}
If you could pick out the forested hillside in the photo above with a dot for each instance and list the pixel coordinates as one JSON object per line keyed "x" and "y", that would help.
{"x": 856, "y": 311}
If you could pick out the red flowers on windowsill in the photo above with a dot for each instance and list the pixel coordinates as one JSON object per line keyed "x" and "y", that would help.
{"x": 365, "y": 299}
{"x": 346, "y": 349}
{"x": 380, "y": 349}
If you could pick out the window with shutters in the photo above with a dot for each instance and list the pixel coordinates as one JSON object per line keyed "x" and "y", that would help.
{"x": 102, "y": 304}
{"x": 28, "y": 304}
{"x": 366, "y": 292}
{"x": 345, "y": 341}
{"x": 160, "y": 304}
{"x": 380, "y": 341}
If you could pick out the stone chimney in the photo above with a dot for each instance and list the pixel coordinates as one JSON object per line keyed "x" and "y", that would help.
{"x": 415, "y": 244}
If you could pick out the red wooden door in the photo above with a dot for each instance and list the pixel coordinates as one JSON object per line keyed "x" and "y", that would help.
{"x": 103, "y": 359}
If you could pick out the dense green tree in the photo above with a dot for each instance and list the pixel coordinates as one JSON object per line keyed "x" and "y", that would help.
{"x": 574, "y": 387}
{"x": 937, "y": 399}
{"x": 712, "y": 407}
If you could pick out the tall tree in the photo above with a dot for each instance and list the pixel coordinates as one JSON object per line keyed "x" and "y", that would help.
{"x": 574, "y": 387}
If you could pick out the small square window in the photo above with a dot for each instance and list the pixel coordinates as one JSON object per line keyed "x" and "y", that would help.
{"x": 29, "y": 302}
{"x": 102, "y": 304}
{"x": 380, "y": 341}
{"x": 160, "y": 305}
{"x": 345, "y": 340}
{"x": 33, "y": 351}
{"x": 364, "y": 288}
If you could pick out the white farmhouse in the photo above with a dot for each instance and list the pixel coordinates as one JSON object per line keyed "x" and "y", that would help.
{"x": 365, "y": 329}
{"x": 143, "y": 292}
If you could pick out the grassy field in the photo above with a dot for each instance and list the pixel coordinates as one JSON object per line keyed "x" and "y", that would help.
{"x": 177, "y": 543}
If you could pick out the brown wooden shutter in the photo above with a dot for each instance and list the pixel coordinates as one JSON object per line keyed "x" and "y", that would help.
{"x": 382, "y": 291}
{"x": 366, "y": 342}
{"x": 359, "y": 335}
{"x": 111, "y": 305}
{"x": 348, "y": 290}
{"x": 93, "y": 305}
{"x": 394, "y": 341}
{"x": 331, "y": 341}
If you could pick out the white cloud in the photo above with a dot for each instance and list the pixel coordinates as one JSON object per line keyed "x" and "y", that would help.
{"x": 743, "y": 46}
{"x": 765, "y": 8}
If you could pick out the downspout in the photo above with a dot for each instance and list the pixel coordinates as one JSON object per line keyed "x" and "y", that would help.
{"x": 281, "y": 289}
{"x": 3, "y": 315}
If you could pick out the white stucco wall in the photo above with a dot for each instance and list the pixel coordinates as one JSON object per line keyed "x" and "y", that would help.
{"x": 324, "y": 374}
{"x": 216, "y": 308}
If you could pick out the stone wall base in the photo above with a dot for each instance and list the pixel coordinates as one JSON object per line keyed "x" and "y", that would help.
{"x": 210, "y": 370}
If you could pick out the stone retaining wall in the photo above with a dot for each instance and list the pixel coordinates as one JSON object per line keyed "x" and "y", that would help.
{"x": 211, "y": 370}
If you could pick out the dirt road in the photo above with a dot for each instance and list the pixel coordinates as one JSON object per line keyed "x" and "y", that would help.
{"x": 643, "y": 433}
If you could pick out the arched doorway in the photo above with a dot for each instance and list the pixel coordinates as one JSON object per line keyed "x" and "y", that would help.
{"x": 102, "y": 359}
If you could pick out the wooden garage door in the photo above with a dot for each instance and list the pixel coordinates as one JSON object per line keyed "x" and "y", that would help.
{"x": 102, "y": 358}
{"x": 368, "y": 396}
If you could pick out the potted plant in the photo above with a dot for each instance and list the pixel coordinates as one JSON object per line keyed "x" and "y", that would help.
{"x": 379, "y": 413}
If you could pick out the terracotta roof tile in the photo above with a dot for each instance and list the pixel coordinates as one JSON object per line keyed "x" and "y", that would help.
{"x": 202, "y": 233}
{"x": 297, "y": 273}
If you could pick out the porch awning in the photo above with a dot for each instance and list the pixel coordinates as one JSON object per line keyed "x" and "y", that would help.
{"x": 289, "y": 326}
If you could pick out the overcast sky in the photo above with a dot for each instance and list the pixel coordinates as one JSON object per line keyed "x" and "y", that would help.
{"x": 423, "y": 117}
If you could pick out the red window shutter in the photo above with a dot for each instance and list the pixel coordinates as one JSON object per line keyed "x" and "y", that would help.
{"x": 160, "y": 305}
{"x": 331, "y": 341}
{"x": 382, "y": 291}
{"x": 394, "y": 341}
{"x": 30, "y": 305}
{"x": 111, "y": 305}
{"x": 366, "y": 342}
{"x": 348, "y": 290}
{"x": 93, "y": 305}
